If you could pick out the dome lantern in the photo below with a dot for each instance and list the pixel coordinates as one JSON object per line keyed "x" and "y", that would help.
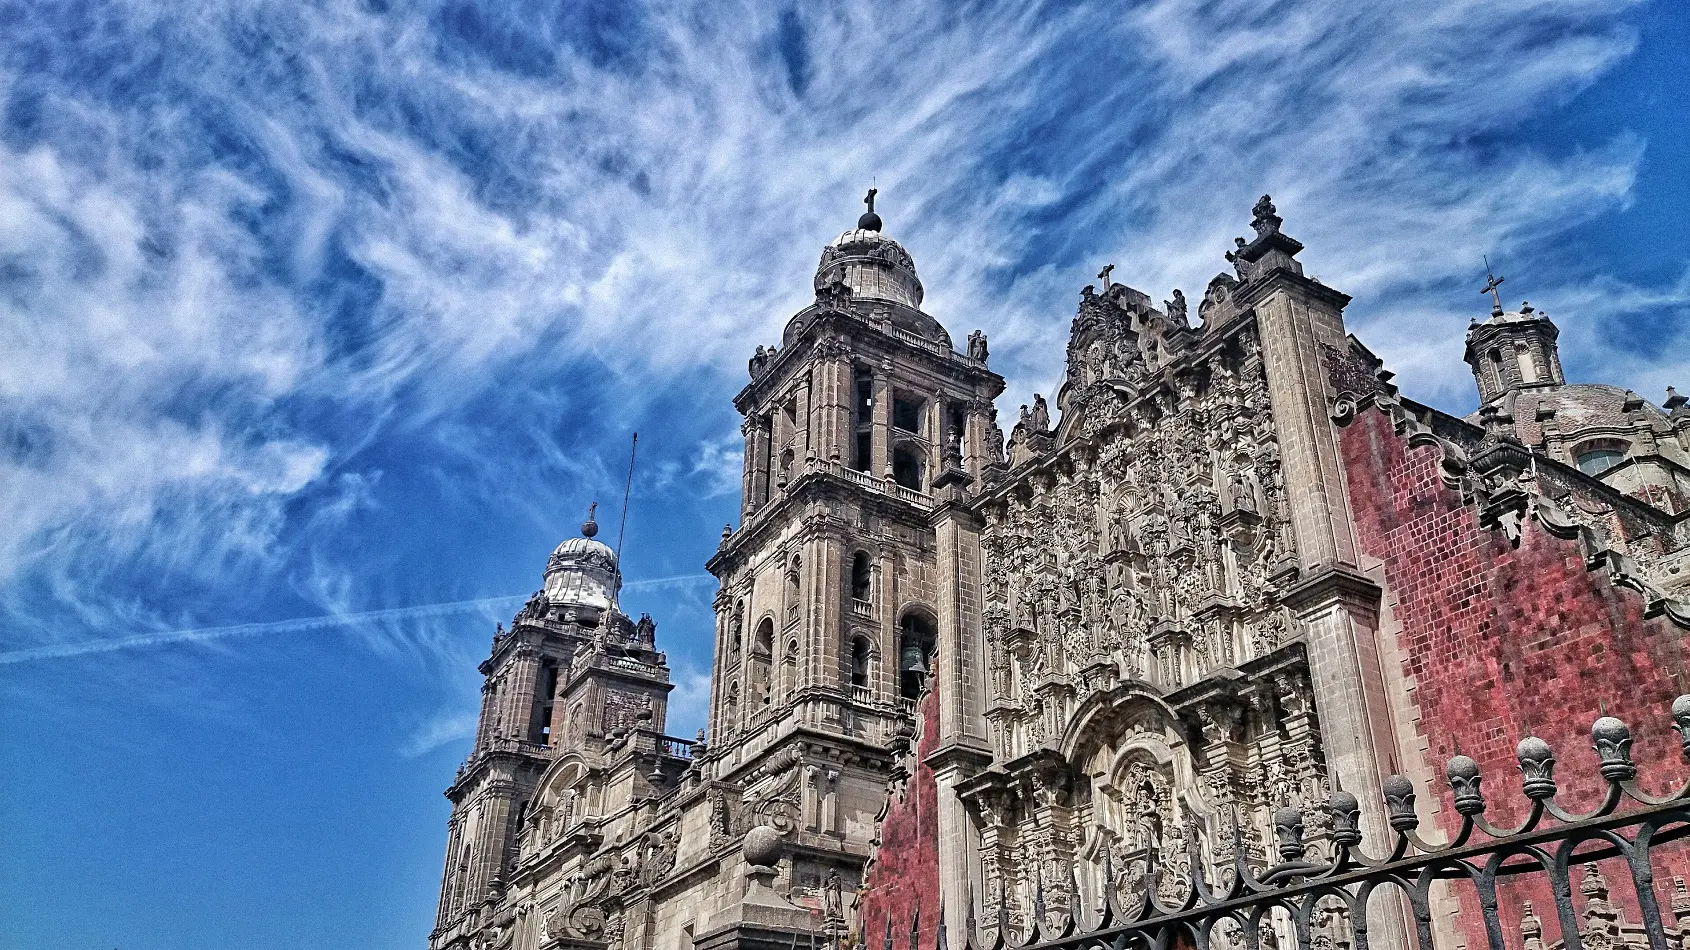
{"x": 873, "y": 265}
{"x": 582, "y": 572}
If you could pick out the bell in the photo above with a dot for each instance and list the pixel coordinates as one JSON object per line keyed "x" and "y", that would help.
{"x": 914, "y": 659}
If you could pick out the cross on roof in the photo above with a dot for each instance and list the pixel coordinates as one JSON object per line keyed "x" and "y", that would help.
{"x": 1492, "y": 282}
{"x": 870, "y": 199}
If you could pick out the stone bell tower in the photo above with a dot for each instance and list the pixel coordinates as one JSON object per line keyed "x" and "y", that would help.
{"x": 829, "y": 611}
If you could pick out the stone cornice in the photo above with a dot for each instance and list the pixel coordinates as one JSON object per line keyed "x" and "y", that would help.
{"x": 870, "y": 342}
{"x": 1280, "y": 278}
{"x": 963, "y": 755}
{"x": 1336, "y": 585}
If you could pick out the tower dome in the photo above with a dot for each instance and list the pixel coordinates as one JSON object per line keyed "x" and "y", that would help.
{"x": 870, "y": 263}
{"x": 582, "y": 572}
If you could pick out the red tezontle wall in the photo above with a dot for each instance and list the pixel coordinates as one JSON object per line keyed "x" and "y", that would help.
{"x": 905, "y": 874}
{"x": 1502, "y": 642}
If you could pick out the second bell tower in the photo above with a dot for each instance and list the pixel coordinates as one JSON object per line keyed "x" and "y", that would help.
{"x": 828, "y": 611}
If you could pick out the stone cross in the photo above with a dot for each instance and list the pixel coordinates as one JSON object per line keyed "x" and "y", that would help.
{"x": 870, "y": 199}
{"x": 1103, "y": 275}
{"x": 1492, "y": 282}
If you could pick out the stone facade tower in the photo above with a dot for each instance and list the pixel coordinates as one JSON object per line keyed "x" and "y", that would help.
{"x": 574, "y": 678}
{"x": 830, "y": 602}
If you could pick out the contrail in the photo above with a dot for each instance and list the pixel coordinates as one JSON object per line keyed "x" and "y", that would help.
{"x": 327, "y": 621}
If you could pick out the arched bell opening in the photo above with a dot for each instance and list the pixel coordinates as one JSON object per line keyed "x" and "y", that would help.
{"x": 862, "y": 653}
{"x": 909, "y": 467}
{"x": 917, "y": 637}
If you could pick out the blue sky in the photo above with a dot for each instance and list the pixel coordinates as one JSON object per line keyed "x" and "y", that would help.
{"x": 320, "y": 324}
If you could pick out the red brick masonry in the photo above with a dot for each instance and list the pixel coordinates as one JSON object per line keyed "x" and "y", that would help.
{"x": 1502, "y": 642}
{"x": 905, "y": 874}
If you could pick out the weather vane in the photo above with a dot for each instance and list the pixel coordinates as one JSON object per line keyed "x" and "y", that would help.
{"x": 1492, "y": 282}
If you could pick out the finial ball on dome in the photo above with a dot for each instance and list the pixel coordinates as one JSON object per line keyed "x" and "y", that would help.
{"x": 590, "y": 527}
{"x": 869, "y": 221}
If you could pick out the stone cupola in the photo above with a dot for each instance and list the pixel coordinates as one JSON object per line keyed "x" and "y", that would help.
{"x": 582, "y": 573}
{"x": 873, "y": 265}
{"x": 1513, "y": 351}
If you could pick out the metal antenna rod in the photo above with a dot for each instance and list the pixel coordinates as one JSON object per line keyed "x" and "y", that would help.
{"x": 626, "y": 489}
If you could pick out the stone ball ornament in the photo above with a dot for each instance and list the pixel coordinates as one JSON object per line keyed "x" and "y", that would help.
{"x": 1537, "y": 767}
{"x": 1612, "y": 740}
{"x": 762, "y": 846}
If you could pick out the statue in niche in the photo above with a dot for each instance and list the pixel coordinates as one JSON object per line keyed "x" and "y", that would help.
{"x": 1149, "y": 830}
{"x": 1243, "y": 492}
{"x": 994, "y": 438}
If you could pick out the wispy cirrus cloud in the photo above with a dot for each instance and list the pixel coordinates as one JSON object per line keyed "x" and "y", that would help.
{"x": 252, "y": 250}
{"x": 345, "y": 311}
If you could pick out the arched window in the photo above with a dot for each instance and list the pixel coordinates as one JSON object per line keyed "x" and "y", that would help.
{"x": 860, "y": 652}
{"x": 908, "y": 467}
{"x": 1528, "y": 363}
{"x": 736, "y": 630}
{"x": 860, "y": 576}
{"x": 907, "y": 412}
{"x": 793, "y": 590}
{"x": 916, "y": 638}
{"x": 1597, "y": 461}
{"x": 789, "y": 670}
{"x": 762, "y": 657}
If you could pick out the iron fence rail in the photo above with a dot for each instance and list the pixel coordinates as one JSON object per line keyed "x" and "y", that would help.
{"x": 1237, "y": 910}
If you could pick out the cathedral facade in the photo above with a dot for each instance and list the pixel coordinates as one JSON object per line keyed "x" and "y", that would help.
{"x": 955, "y": 671}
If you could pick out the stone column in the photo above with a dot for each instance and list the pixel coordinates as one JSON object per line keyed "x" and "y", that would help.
{"x": 761, "y": 459}
{"x": 519, "y": 696}
{"x": 882, "y": 440}
{"x": 1301, "y": 324}
{"x": 835, "y": 393}
{"x": 961, "y": 676}
{"x": 804, "y": 436}
{"x": 724, "y": 608}
{"x": 484, "y": 724}
{"x": 748, "y": 481}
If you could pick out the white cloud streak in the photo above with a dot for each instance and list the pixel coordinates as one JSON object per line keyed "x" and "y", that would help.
{"x": 323, "y": 229}
{"x": 305, "y": 624}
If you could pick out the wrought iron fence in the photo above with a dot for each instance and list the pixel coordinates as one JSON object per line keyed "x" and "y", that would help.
{"x": 1238, "y": 911}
